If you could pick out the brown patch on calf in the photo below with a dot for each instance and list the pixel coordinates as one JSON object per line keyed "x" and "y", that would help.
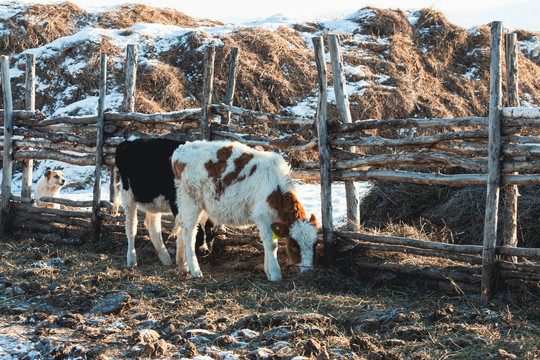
{"x": 239, "y": 164}
{"x": 287, "y": 205}
{"x": 253, "y": 170}
{"x": 178, "y": 168}
{"x": 216, "y": 169}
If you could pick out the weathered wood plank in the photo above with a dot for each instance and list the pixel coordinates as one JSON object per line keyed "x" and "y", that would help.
{"x": 208, "y": 86}
{"x": 494, "y": 165}
{"x": 324, "y": 150}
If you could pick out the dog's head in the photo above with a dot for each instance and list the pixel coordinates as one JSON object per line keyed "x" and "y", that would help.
{"x": 55, "y": 178}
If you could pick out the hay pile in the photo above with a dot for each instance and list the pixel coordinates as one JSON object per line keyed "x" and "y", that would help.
{"x": 396, "y": 67}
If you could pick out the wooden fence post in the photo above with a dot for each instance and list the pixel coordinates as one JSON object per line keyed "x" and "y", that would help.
{"x": 231, "y": 84}
{"x": 7, "y": 170}
{"x": 131, "y": 78}
{"x": 208, "y": 85}
{"x": 342, "y": 103}
{"x": 96, "y": 221}
{"x": 512, "y": 100}
{"x": 324, "y": 151}
{"x": 494, "y": 165}
{"x": 30, "y": 104}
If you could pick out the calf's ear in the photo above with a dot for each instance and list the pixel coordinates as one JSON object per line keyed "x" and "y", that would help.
{"x": 313, "y": 220}
{"x": 280, "y": 229}
{"x": 48, "y": 174}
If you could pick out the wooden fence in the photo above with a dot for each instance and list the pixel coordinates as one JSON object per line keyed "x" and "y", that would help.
{"x": 489, "y": 151}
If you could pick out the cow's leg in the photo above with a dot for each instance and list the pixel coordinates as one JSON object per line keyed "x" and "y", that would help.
{"x": 153, "y": 224}
{"x": 181, "y": 253}
{"x": 271, "y": 265}
{"x": 188, "y": 223}
{"x": 130, "y": 208}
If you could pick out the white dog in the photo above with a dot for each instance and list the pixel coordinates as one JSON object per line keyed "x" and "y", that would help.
{"x": 49, "y": 185}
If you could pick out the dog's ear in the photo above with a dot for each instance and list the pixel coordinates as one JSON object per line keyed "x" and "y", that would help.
{"x": 48, "y": 174}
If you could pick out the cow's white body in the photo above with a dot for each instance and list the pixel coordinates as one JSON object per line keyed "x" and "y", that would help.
{"x": 233, "y": 184}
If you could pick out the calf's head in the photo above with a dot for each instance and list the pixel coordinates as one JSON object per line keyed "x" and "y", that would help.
{"x": 301, "y": 240}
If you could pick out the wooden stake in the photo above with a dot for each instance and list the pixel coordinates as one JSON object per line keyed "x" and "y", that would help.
{"x": 512, "y": 100}
{"x": 7, "y": 170}
{"x": 30, "y": 105}
{"x": 208, "y": 85}
{"x": 324, "y": 151}
{"x": 342, "y": 102}
{"x": 231, "y": 84}
{"x": 494, "y": 165}
{"x": 96, "y": 228}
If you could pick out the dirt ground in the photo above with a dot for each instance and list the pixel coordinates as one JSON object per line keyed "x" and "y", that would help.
{"x": 68, "y": 302}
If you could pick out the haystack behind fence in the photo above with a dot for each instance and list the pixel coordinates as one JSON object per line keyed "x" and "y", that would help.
{"x": 479, "y": 150}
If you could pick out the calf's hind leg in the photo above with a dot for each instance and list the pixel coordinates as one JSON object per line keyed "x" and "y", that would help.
{"x": 130, "y": 208}
{"x": 153, "y": 224}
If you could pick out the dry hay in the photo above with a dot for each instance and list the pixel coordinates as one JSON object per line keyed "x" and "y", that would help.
{"x": 41, "y": 24}
{"x": 127, "y": 15}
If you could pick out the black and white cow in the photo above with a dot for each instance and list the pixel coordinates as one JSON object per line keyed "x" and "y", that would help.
{"x": 147, "y": 182}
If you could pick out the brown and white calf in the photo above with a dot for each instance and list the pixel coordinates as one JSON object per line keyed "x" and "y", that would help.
{"x": 236, "y": 186}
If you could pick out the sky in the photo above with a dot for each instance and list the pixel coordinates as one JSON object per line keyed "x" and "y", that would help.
{"x": 515, "y": 14}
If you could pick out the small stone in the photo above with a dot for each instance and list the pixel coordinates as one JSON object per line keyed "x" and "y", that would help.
{"x": 113, "y": 304}
{"x": 503, "y": 355}
{"x": 190, "y": 350}
{"x": 260, "y": 353}
{"x": 225, "y": 340}
{"x": 161, "y": 348}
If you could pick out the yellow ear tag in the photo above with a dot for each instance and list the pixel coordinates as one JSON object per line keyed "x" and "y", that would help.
{"x": 274, "y": 236}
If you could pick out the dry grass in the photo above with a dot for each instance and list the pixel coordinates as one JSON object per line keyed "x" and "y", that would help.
{"x": 420, "y": 324}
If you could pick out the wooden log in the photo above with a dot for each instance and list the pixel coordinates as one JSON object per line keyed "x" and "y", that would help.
{"x": 7, "y": 156}
{"x": 423, "y": 244}
{"x": 131, "y": 78}
{"x": 265, "y": 142}
{"x": 505, "y": 274}
{"x": 415, "y": 141}
{"x": 45, "y": 218}
{"x": 44, "y": 144}
{"x": 324, "y": 151}
{"x": 30, "y": 105}
{"x": 65, "y": 232}
{"x": 361, "y": 125}
{"x": 96, "y": 228}
{"x": 440, "y": 274}
{"x": 23, "y": 199}
{"x": 533, "y": 253}
{"x": 424, "y": 158}
{"x": 415, "y": 178}
{"x": 50, "y": 211}
{"x": 342, "y": 103}
{"x": 231, "y": 84}
{"x": 22, "y": 116}
{"x": 154, "y": 119}
{"x": 520, "y": 113}
{"x": 512, "y": 99}
{"x": 352, "y": 249}
{"x": 54, "y": 137}
{"x": 208, "y": 86}
{"x": 55, "y": 155}
{"x": 521, "y": 267}
{"x": 68, "y": 202}
{"x": 263, "y": 116}
{"x": 494, "y": 165}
